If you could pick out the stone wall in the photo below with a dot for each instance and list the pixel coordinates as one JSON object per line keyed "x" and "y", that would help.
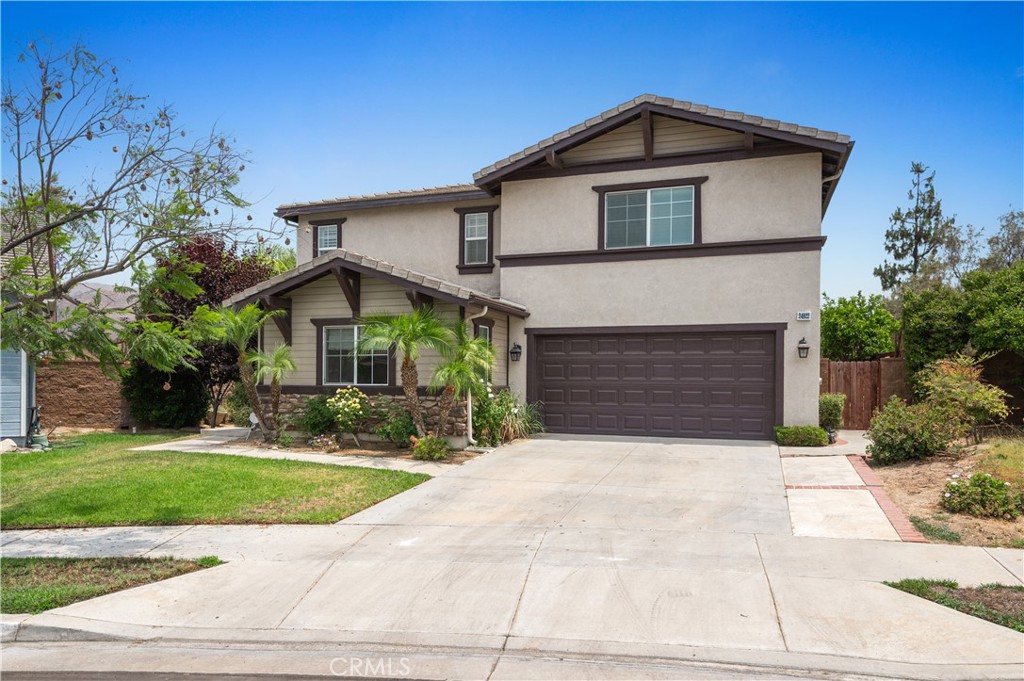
{"x": 77, "y": 394}
{"x": 292, "y": 405}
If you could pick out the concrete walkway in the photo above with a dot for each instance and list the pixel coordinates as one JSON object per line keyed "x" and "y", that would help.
{"x": 550, "y": 558}
{"x": 214, "y": 441}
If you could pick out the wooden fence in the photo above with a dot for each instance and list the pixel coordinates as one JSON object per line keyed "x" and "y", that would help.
{"x": 867, "y": 386}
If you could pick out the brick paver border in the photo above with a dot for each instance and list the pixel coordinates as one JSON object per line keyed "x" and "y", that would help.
{"x": 904, "y": 528}
{"x": 872, "y": 483}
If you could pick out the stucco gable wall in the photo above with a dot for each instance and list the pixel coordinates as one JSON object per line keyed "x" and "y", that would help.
{"x": 761, "y": 198}
{"x": 424, "y": 238}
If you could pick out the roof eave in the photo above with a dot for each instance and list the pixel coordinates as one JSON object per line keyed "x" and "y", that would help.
{"x": 292, "y": 211}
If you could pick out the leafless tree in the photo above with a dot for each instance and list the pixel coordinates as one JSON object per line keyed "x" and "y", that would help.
{"x": 97, "y": 179}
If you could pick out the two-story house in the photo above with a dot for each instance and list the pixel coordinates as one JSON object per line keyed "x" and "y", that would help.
{"x": 653, "y": 270}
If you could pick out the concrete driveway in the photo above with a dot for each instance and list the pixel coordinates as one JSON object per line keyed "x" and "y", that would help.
{"x": 557, "y": 552}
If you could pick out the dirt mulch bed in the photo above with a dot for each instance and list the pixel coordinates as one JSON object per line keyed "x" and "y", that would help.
{"x": 996, "y": 603}
{"x": 381, "y": 450}
{"x": 917, "y": 486}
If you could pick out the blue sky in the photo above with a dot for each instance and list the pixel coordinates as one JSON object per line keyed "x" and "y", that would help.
{"x": 333, "y": 99}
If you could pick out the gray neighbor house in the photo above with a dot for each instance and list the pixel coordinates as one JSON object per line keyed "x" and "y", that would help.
{"x": 653, "y": 270}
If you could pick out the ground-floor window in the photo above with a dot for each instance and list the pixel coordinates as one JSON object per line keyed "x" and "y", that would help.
{"x": 343, "y": 364}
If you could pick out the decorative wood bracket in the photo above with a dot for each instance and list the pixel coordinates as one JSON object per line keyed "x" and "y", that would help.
{"x": 282, "y": 321}
{"x": 418, "y": 299}
{"x": 748, "y": 140}
{"x": 553, "y": 160}
{"x": 349, "y": 282}
{"x": 647, "y": 122}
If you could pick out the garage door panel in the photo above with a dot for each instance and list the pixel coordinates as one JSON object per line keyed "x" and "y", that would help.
{"x": 697, "y": 385}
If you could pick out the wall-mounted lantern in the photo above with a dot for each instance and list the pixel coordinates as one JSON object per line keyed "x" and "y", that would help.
{"x": 515, "y": 352}
{"x": 803, "y": 348}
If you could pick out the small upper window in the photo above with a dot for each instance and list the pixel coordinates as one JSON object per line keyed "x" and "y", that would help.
{"x": 649, "y": 217}
{"x": 477, "y": 236}
{"x": 476, "y": 239}
{"x": 326, "y": 238}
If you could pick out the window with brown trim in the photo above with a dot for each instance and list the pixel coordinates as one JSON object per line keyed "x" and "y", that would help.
{"x": 476, "y": 239}
{"x": 326, "y": 235}
{"x": 340, "y": 362}
{"x": 649, "y": 214}
{"x": 484, "y": 328}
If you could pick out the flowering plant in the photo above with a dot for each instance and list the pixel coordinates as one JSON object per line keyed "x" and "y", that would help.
{"x": 984, "y": 496}
{"x": 351, "y": 407}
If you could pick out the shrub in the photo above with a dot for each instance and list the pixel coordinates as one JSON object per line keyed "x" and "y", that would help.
{"x": 396, "y": 426}
{"x": 175, "y": 400}
{"x": 801, "y": 436}
{"x": 856, "y": 328}
{"x": 954, "y": 385}
{"x": 430, "y": 448}
{"x": 351, "y": 409}
{"x": 237, "y": 405}
{"x": 830, "y": 410}
{"x": 983, "y": 496}
{"x": 317, "y": 416}
{"x": 501, "y": 418}
{"x": 900, "y": 431}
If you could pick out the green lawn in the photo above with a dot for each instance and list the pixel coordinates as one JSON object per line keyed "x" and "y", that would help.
{"x": 32, "y": 585}
{"x": 102, "y": 483}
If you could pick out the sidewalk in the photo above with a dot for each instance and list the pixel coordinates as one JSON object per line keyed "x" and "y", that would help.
{"x": 213, "y": 441}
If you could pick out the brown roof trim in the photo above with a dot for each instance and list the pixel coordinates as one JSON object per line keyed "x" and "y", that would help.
{"x": 671, "y": 328}
{"x": 768, "y": 151}
{"x": 760, "y": 246}
{"x": 291, "y": 211}
{"x": 300, "y": 277}
{"x": 646, "y": 105}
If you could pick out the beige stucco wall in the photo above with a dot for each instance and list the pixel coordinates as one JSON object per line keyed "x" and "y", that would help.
{"x": 741, "y": 289}
{"x": 759, "y": 198}
{"x": 421, "y": 237}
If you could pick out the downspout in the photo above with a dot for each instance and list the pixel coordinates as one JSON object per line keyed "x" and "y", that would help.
{"x": 832, "y": 177}
{"x": 469, "y": 398}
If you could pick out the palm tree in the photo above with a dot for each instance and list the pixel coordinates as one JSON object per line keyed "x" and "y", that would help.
{"x": 237, "y": 328}
{"x": 407, "y": 334}
{"x": 466, "y": 361}
{"x": 273, "y": 365}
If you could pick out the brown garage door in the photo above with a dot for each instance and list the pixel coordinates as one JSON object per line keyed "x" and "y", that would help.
{"x": 714, "y": 385}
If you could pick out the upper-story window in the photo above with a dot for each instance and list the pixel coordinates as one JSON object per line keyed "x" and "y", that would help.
{"x": 476, "y": 239}
{"x": 326, "y": 236}
{"x": 665, "y": 213}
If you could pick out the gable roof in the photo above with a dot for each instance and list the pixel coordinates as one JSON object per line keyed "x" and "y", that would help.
{"x": 834, "y": 146}
{"x": 374, "y": 267}
{"x": 735, "y": 120}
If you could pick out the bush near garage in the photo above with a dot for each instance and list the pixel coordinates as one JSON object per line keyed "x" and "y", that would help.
{"x": 830, "y": 410}
{"x": 801, "y": 436}
{"x": 430, "y": 448}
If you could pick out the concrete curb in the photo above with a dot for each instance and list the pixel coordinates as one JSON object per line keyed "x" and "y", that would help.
{"x": 457, "y": 649}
